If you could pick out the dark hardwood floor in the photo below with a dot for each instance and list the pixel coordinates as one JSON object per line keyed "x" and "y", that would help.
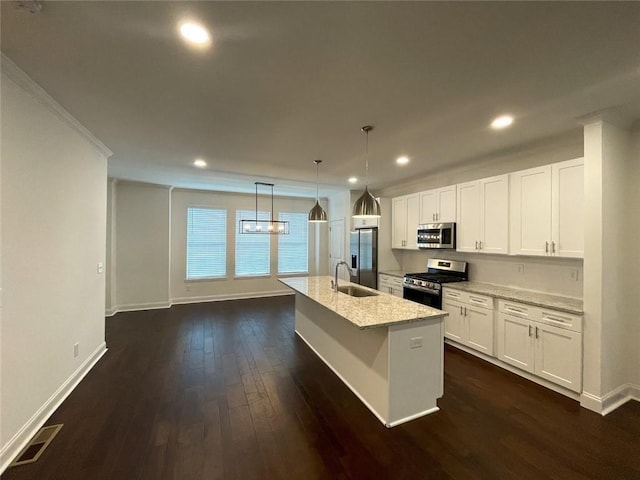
{"x": 226, "y": 390}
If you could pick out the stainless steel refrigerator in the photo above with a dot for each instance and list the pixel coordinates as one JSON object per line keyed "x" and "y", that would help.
{"x": 364, "y": 257}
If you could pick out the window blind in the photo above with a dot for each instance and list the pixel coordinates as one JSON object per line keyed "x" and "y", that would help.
{"x": 293, "y": 249}
{"x": 206, "y": 242}
{"x": 252, "y": 250}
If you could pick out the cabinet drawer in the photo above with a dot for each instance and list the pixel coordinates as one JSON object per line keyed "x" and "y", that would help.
{"x": 519, "y": 310}
{"x": 468, "y": 298}
{"x": 479, "y": 300}
{"x": 561, "y": 320}
{"x": 452, "y": 294}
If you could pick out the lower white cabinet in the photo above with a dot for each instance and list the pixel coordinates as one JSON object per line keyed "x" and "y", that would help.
{"x": 541, "y": 341}
{"x": 470, "y": 320}
{"x": 390, "y": 284}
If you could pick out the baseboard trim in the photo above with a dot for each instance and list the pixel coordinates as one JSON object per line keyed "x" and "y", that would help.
{"x": 203, "y": 299}
{"x": 232, "y": 296}
{"x": 29, "y": 429}
{"x": 612, "y": 400}
{"x": 413, "y": 417}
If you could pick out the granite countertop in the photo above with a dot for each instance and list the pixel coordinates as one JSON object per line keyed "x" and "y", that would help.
{"x": 363, "y": 312}
{"x": 529, "y": 297}
{"x": 393, "y": 273}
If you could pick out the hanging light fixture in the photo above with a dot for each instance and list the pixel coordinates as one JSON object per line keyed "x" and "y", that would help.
{"x": 317, "y": 213}
{"x": 366, "y": 206}
{"x": 277, "y": 227}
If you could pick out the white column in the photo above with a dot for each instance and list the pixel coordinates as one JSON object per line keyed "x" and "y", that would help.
{"x": 606, "y": 153}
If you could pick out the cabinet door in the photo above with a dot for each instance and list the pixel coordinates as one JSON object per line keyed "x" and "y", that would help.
{"x": 568, "y": 208}
{"x": 479, "y": 329}
{"x": 454, "y": 322}
{"x": 531, "y": 201}
{"x": 494, "y": 215}
{"x": 468, "y": 226}
{"x": 446, "y": 204}
{"x": 428, "y": 206}
{"x": 413, "y": 219}
{"x": 515, "y": 342}
{"x": 399, "y": 219}
{"x": 558, "y": 356}
{"x": 397, "y": 292}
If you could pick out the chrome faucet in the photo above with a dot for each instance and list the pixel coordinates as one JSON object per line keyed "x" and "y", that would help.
{"x": 334, "y": 284}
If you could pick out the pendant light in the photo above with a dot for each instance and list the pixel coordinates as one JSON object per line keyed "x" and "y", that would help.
{"x": 317, "y": 213}
{"x": 366, "y": 206}
{"x": 275, "y": 227}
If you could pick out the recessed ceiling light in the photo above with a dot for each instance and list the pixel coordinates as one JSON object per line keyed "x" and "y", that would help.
{"x": 198, "y": 162}
{"x": 195, "y": 33}
{"x": 502, "y": 121}
{"x": 402, "y": 160}
{"x": 353, "y": 179}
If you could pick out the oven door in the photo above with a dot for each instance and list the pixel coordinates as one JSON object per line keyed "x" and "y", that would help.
{"x": 425, "y": 298}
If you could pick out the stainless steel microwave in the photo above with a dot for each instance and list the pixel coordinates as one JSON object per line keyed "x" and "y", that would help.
{"x": 437, "y": 235}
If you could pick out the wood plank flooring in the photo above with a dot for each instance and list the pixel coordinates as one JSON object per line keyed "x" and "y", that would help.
{"x": 227, "y": 391}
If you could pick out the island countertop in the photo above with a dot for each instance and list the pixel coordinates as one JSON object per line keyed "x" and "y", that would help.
{"x": 364, "y": 312}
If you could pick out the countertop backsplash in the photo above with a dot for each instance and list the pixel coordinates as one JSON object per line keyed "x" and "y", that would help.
{"x": 550, "y": 275}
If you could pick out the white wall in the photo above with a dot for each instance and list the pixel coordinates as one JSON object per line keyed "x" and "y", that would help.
{"x": 632, "y": 265}
{"x": 141, "y": 245}
{"x": 543, "y": 274}
{"x": 149, "y": 253}
{"x": 53, "y": 191}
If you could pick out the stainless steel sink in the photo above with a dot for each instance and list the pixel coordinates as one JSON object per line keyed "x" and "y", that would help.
{"x": 355, "y": 291}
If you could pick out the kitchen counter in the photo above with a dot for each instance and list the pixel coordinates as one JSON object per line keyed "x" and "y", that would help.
{"x": 393, "y": 273}
{"x": 393, "y": 361}
{"x": 529, "y": 297}
{"x": 364, "y": 312}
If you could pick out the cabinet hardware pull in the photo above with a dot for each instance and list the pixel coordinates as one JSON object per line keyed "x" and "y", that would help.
{"x": 553, "y": 247}
{"x": 476, "y": 244}
{"x": 437, "y": 216}
{"x": 509, "y": 308}
{"x": 529, "y": 330}
{"x": 546, "y": 247}
{"x": 465, "y": 311}
{"x": 433, "y": 216}
{"x": 536, "y": 332}
{"x": 557, "y": 319}
{"x": 460, "y": 310}
{"x": 480, "y": 244}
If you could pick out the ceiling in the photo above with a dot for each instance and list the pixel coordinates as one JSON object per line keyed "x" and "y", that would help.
{"x": 285, "y": 83}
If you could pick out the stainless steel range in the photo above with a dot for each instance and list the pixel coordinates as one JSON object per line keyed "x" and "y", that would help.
{"x": 426, "y": 287}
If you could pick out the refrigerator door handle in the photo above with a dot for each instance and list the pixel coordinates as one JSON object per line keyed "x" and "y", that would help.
{"x": 354, "y": 261}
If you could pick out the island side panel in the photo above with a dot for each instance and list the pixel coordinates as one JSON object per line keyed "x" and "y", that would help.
{"x": 358, "y": 357}
{"x": 415, "y": 374}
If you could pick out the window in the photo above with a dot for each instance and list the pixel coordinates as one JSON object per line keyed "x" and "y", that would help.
{"x": 206, "y": 243}
{"x": 293, "y": 249}
{"x": 252, "y": 249}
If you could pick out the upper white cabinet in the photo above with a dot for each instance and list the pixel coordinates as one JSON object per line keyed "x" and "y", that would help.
{"x": 438, "y": 205}
{"x": 547, "y": 216}
{"x": 405, "y": 216}
{"x": 366, "y": 222}
{"x": 483, "y": 216}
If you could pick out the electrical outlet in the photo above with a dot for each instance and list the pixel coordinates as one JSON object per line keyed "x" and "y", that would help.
{"x": 520, "y": 268}
{"x": 415, "y": 342}
{"x": 100, "y": 267}
{"x": 188, "y": 288}
{"x": 573, "y": 274}
{"x": 76, "y": 349}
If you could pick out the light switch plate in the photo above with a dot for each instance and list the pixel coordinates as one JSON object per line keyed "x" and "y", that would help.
{"x": 100, "y": 267}
{"x": 415, "y": 342}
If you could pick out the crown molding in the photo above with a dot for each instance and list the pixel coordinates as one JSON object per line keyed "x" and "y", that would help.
{"x": 613, "y": 116}
{"x": 17, "y": 75}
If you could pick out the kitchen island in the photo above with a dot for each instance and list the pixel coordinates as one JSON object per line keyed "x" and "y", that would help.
{"x": 387, "y": 350}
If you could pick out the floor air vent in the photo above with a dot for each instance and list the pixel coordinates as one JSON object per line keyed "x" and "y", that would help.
{"x": 37, "y": 445}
